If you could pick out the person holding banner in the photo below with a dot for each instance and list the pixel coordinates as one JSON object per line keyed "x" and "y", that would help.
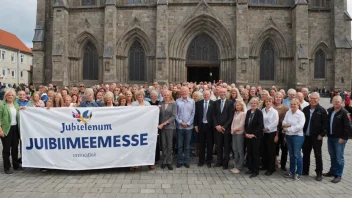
{"x": 184, "y": 118}
{"x": 9, "y": 131}
{"x": 109, "y": 99}
{"x": 167, "y": 126}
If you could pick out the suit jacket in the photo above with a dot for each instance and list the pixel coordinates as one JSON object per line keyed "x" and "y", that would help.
{"x": 198, "y": 116}
{"x": 5, "y": 116}
{"x": 319, "y": 123}
{"x": 223, "y": 119}
{"x": 340, "y": 125}
{"x": 167, "y": 114}
{"x": 257, "y": 125}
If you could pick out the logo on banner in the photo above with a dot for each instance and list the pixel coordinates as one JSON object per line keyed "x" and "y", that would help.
{"x": 85, "y": 117}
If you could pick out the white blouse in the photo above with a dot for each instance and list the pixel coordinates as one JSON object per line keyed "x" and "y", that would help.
{"x": 13, "y": 116}
{"x": 296, "y": 121}
{"x": 271, "y": 119}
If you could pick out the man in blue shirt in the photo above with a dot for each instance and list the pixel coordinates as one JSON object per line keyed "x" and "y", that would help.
{"x": 184, "y": 125}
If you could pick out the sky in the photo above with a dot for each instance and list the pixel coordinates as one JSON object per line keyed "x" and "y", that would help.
{"x": 19, "y": 16}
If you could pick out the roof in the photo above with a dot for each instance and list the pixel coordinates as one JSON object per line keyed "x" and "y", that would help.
{"x": 10, "y": 40}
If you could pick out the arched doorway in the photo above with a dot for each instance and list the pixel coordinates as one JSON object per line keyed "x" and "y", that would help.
{"x": 90, "y": 62}
{"x": 203, "y": 62}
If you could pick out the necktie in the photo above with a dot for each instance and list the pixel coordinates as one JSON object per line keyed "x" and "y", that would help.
{"x": 205, "y": 111}
{"x": 222, "y": 105}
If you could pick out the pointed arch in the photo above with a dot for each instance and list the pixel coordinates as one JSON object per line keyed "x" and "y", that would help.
{"x": 132, "y": 35}
{"x": 77, "y": 47}
{"x": 278, "y": 40}
{"x": 136, "y": 64}
{"x": 323, "y": 46}
{"x": 90, "y": 62}
{"x": 202, "y": 23}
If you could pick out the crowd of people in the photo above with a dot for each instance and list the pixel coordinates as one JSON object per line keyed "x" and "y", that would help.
{"x": 251, "y": 124}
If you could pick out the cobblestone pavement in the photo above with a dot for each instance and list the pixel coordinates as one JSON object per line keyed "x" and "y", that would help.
{"x": 193, "y": 182}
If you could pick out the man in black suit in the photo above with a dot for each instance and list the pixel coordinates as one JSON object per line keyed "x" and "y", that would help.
{"x": 315, "y": 128}
{"x": 222, "y": 119}
{"x": 203, "y": 125}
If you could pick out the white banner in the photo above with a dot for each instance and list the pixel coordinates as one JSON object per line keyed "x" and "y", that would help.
{"x": 88, "y": 138}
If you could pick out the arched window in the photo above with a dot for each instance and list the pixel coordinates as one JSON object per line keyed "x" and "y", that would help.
{"x": 319, "y": 64}
{"x": 267, "y": 61}
{"x": 90, "y": 62}
{"x": 202, "y": 48}
{"x": 89, "y": 2}
{"x": 137, "y": 62}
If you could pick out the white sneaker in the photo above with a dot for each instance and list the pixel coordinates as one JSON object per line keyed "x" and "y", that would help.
{"x": 235, "y": 171}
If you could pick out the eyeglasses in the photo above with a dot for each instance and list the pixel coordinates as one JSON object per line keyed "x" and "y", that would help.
{"x": 81, "y": 86}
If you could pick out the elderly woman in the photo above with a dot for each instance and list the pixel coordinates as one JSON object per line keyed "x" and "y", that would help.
{"x": 89, "y": 96}
{"x": 264, "y": 95}
{"x": 246, "y": 98}
{"x": 9, "y": 131}
{"x": 167, "y": 126}
{"x": 254, "y": 132}
{"x": 154, "y": 97}
{"x": 281, "y": 144}
{"x": 293, "y": 126}
{"x": 36, "y": 101}
{"x": 109, "y": 99}
{"x": 237, "y": 131}
{"x": 129, "y": 98}
{"x": 268, "y": 149}
{"x": 140, "y": 99}
{"x": 196, "y": 96}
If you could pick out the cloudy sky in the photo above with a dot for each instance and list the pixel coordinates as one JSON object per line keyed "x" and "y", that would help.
{"x": 18, "y": 17}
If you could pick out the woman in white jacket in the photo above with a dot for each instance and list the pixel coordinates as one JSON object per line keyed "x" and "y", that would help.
{"x": 293, "y": 127}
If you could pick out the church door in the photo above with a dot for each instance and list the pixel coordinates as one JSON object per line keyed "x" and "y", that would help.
{"x": 203, "y": 62}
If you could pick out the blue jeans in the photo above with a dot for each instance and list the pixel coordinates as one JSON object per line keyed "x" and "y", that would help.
{"x": 294, "y": 145}
{"x": 336, "y": 152}
{"x": 183, "y": 140}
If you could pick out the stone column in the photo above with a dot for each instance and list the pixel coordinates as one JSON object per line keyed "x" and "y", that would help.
{"x": 300, "y": 21}
{"x": 109, "y": 59}
{"x": 342, "y": 51}
{"x": 162, "y": 66}
{"x": 60, "y": 44}
{"x": 242, "y": 43}
{"x": 38, "y": 44}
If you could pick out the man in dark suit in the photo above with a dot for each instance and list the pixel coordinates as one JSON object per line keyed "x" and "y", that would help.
{"x": 203, "y": 125}
{"x": 222, "y": 119}
{"x": 315, "y": 128}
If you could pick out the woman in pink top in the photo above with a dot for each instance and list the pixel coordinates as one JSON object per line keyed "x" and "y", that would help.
{"x": 237, "y": 131}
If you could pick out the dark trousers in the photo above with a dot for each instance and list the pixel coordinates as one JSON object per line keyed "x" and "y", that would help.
{"x": 312, "y": 142}
{"x": 205, "y": 141}
{"x": 253, "y": 154}
{"x": 284, "y": 152}
{"x": 157, "y": 148}
{"x": 10, "y": 146}
{"x": 268, "y": 151}
{"x": 223, "y": 148}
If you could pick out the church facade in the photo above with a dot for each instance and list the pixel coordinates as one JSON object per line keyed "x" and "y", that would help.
{"x": 287, "y": 43}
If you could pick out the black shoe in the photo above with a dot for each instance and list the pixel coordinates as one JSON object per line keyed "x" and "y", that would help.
{"x": 328, "y": 174}
{"x": 225, "y": 167}
{"x": 249, "y": 172}
{"x": 336, "y": 180}
{"x": 283, "y": 168}
{"x": 209, "y": 165}
{"x": 289, "y": 175}
{"x": 187, "y": 165}
{"x": 178, "y": 165}
{"x": 268, "y": 173}
{"x": 8, "y": 171}
{"x": 217, "y": 165}
{"x": 319, "y": 177}
{"x": 305, "y": 174}
{"x": 163, "y": 166}
{"x": 20, "y": 168}
{"x": 253, "y": 175}
{"x": 200, "y": 164}
{"x": 262, "y": 168}
{"x": 169, "y": 166}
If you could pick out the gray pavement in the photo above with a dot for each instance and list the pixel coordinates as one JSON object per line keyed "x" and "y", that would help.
{"x": 193, "y": 182}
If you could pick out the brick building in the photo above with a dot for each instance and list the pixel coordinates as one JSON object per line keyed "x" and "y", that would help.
{"x": 289, "y": 43}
